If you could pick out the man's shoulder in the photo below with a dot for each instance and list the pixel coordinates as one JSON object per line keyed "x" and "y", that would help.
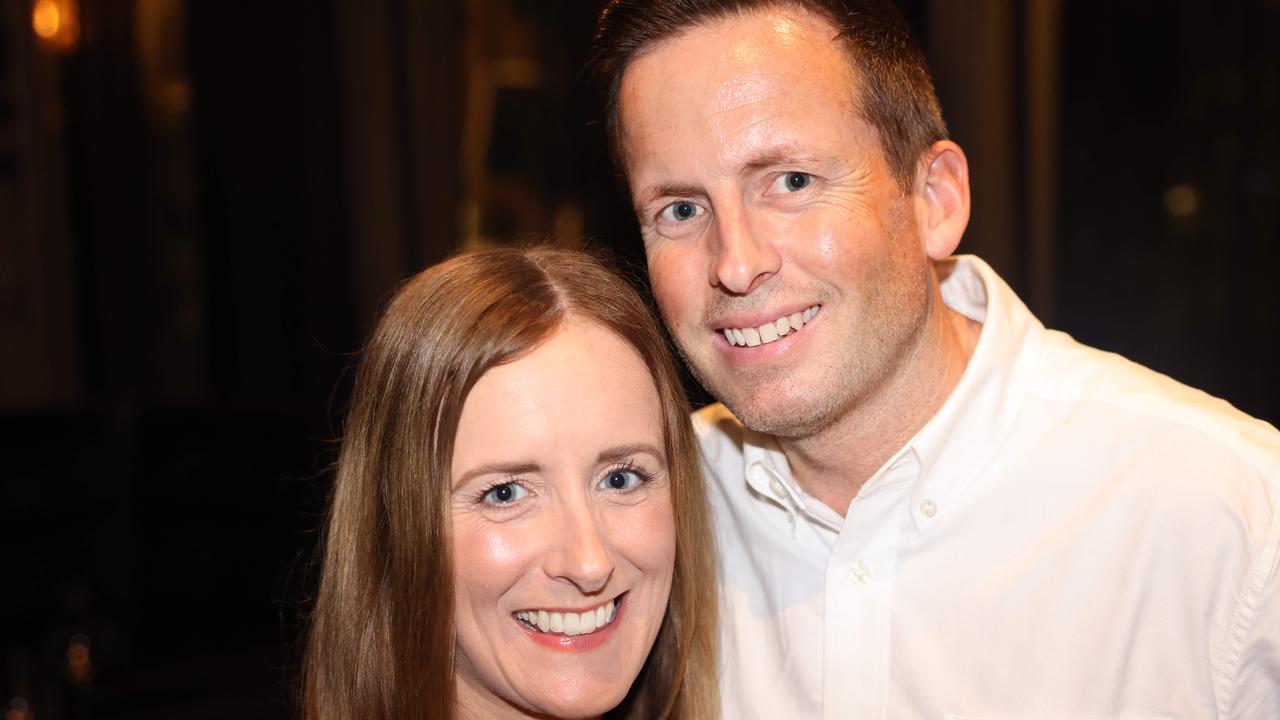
{"x": 1144, "y": 399}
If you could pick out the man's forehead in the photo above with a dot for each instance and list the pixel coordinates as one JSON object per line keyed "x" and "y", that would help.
{"x": 723, "y": 74}
{"x": 740, "y": 42}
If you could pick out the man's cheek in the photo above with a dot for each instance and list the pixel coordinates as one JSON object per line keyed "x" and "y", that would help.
{"x": 677, "y": 301}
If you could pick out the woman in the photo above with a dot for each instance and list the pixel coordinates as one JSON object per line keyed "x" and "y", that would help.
{"x": 518, "y": 487}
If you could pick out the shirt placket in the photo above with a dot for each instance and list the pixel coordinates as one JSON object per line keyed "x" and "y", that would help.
{"x": 860, "y": 583}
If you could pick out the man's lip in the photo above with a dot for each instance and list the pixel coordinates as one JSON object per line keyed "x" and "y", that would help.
{"x": 758, "y": 318}
{"x": 769, "y": 332}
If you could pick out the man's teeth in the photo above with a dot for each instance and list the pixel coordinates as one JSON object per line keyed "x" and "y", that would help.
{"x": 570, "y": 623}
{"x": 770, "y": 331}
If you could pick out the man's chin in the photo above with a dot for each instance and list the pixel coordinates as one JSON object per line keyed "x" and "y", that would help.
{"x": 781, "y": 417}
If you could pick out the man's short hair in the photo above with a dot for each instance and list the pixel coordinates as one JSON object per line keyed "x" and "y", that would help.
{"x": 896, "y": 95}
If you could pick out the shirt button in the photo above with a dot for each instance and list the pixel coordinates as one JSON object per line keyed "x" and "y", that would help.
{"x": 928, "y": 507}
{"x": 776, "y": 486}
{"x": 860, "y": 573}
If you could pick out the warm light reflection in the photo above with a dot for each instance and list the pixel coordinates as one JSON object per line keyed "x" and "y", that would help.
{"x": 1182, "y": 201}
{"x": 46, "y": 18}
{"x": 78, "y": 664}
{"x": 56, "y": 23}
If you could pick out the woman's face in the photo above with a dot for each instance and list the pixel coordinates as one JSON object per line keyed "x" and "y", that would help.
{"x": 563, "y": 532}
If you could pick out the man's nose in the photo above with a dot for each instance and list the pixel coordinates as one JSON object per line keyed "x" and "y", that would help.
{"x": 580, "y": 552}
{"x": 744, "y": 256}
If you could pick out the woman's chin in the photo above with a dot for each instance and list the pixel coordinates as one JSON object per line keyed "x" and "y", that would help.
{"x": 583, "y": 708}
{"x": 546, "y": 692}
{"x": 581, "y": 704}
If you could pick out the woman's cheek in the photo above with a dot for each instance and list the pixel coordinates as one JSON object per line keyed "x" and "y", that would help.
{"x": 488, "y": 553}
{"x": 647, "y": 532}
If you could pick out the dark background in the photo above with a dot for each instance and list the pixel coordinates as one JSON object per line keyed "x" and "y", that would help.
{"x": 203, "y": 204}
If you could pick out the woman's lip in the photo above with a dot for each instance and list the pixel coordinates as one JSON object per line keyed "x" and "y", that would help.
{"x": 580, "y": 643}
{"x": 577, "y": 610}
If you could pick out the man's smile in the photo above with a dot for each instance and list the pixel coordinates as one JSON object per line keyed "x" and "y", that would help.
{"x": 768, "y": 332}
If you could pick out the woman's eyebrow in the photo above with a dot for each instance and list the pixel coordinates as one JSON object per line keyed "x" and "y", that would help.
{"x": 622, "y": 452}
{"x": 613, "y": 454}
{"x": 496, "y": 469}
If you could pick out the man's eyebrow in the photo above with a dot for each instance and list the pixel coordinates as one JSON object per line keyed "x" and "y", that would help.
{"x": 622, "y": 452}
{"x": 496, "y": 469}
{"x": 664, "y": 190}
{"x": 780, "y": 157}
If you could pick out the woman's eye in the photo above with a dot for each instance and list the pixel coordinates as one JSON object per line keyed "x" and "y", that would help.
{"x": 504, "y": 494}
{"x": 621, "y": 480}
{"x": 793, "y": 181}
{"x": 682, "y": 211}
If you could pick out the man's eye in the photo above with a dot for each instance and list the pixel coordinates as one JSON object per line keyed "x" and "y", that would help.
{"x": 681, "y": 211}
{"x": 793, "y": 181}
{"x": 503, "y": 494}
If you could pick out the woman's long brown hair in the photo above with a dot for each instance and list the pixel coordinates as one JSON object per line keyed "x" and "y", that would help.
{"x": 381, "y": 637}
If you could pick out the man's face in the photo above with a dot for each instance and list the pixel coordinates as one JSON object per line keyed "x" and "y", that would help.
{"x": 782, "y": 254}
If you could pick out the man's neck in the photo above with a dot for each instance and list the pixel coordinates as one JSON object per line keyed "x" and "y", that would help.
{"x": 834, "y": 463}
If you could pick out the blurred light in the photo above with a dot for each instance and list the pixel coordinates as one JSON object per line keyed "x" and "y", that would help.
{"x": 46, "y": 18}
{"x": 18, "y": 709}
{"x": 79, "y": 665}
{"x": 516, "y": 73}
{"x": 1182, "y": 201}
{"x": 57, "y": 23}
{"x": 175, "y": 97}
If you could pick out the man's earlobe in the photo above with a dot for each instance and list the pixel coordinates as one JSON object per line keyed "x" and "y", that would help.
{"x": 944, "y": 190}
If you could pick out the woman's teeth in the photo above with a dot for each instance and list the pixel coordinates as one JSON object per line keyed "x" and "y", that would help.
{"x": 770, "y": 331}
{"x": 570, "y": 623}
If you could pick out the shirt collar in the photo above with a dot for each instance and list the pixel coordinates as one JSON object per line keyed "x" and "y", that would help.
{"x": 769, "y": 474}
{"x": 955, "y": 445}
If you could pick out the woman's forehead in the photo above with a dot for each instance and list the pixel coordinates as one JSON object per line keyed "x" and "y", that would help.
{"x": 580, "y": 391}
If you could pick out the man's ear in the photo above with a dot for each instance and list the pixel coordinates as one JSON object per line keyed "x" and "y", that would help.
{"x": 942, "y": 189}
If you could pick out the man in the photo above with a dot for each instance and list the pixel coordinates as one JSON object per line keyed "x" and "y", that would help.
{"x": 927, "y": 504}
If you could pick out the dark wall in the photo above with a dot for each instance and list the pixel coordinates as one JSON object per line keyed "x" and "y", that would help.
{"x": 1170, "y": 190}
{"x": 165, "y": 519}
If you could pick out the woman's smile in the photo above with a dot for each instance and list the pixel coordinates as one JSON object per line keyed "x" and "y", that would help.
{"x": 569, "y": 622}
{"x": 570, "y": 631}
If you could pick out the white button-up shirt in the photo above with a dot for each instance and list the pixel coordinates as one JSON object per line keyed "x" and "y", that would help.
{"x": 1071, "y": 536}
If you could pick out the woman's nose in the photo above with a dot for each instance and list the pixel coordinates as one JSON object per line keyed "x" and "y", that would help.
{"x": 580, "y": 553}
